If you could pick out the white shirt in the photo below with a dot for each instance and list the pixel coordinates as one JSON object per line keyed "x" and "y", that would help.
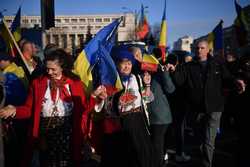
{"x": 48, "y": 105}
{"x": 131, "y": 86}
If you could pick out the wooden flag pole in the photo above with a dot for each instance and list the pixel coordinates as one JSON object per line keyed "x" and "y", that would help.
{"x": 17, "y": 47}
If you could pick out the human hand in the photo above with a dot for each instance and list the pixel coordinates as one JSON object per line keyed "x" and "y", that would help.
{"x": 8, "y": 111}
{"x": 169, "y": 67}
{"x": 100, "y": 92}
{"x": 241, "y": 86}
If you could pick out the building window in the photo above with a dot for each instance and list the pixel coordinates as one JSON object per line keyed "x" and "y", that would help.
{"x": 56, "y": 39}
{"x": 8, "y": 21}
{"x": 80, "y": 40}
{"x": 82, "y": 27}
{"x": 66, "y": 20}
{"x": 98, "y": 27}
{"x": 98, "y": 20}
{"x": 90, "y": 20}
{"x": 106, "y": 19}
{"x": 48, "y": 39}
{"x": 82, "y": 20}
{"x": 64, "y": 40}
{"x": 65, "y": 28}
{"x": 33, "y": 21}
{"x": 74, "y": 27}
{"x": 72, "y": 41}
{"x": 25, "y": 21}
{"x": 73, "y": 20}
{"x": 113, "y": 19}
{"x": 58, "y": 20}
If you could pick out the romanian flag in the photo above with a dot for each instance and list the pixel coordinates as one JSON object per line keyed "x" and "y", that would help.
{"x": 143, "y": 27}
{"x": 5, "y": 34}
{"x": 149, "y": 63}
{"x": 16, "y": 26}
{"x": 89, "y": 57}
{"x": 163, "y": 35}
{"x": 12, "y": 46}
{"x": 108, "y": 74}
{"x": 215, "y": 39}
{"x": 240, "y": 26}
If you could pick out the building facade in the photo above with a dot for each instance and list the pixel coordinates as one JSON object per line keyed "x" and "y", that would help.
{"x": 183, "y": 43}
{"x": 72, "y": 30}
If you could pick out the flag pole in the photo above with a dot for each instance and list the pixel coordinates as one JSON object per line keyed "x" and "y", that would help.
{"x": 17, "y": 47}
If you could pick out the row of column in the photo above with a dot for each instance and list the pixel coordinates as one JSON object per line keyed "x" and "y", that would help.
{"x": 64, "y": 40}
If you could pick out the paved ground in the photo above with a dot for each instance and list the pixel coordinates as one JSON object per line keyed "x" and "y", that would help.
{"x": 225, "y": 152}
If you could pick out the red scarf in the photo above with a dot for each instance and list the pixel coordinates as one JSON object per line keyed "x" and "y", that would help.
{"x": 63, "y": 91}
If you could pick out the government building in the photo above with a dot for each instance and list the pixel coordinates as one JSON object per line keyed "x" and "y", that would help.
{"x": 73, "y": 30}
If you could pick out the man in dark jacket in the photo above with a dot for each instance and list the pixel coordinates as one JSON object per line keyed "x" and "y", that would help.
{"x": 203, "y": 80}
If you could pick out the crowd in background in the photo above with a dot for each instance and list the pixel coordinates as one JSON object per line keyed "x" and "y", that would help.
{"x": 47, "y": 118}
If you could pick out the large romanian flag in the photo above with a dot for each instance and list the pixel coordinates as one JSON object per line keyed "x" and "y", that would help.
{"x": 215, "y": 38}
{"x": 11, "y": 45}
{"x": 89, "y": 58}
{"x": 15, "y": 30}
{"x": 241, "y": 26}
{"x": 163, "y": 35}
{"x": 16, "y": 26}
{"x": 143, "y": 27}
{"x": 107, "y": 71}
{"x": 5, "y": 34}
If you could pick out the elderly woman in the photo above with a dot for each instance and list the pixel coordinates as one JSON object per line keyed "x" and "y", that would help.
{"x": 58, "y": 107}
{"x": 132, "y": 147}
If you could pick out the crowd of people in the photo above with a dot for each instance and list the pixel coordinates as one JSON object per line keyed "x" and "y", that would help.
{"x": 49, "y": 120}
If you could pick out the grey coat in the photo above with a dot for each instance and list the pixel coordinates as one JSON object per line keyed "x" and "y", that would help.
{"x": 159, "y": 109}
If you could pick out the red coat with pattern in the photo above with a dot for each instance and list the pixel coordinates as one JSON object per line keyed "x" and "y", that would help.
{"x": 32, "y": 109}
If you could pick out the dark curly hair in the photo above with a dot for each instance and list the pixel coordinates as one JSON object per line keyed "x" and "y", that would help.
{"x": 64, "y": 61}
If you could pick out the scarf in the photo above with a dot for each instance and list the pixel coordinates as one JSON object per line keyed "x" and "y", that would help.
{"x": 60, "y": 85}
{"x": 125, "y": 78}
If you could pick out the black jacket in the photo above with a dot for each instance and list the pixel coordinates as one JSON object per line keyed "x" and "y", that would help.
{"x": 203, "y": 88}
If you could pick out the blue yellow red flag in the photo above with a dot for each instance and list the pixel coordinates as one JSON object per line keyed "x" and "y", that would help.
{"x": 215, "y": 38}
{"x": 143, "y": 27}
{"x": 88, "y": 58}
{"x": 149, "y": 63}
{"x": 16, "y": 26}
{"x": 163, "y": 35}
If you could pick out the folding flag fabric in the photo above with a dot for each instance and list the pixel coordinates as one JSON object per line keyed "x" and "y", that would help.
{"x": 16, "y": 26}
{"x": 107, "y": 71}
{"x": 215, "y": 38}
{"x": 149, "y": 63}
{"x": 163, "y": 35}
{"x": 240, "y": 26}
{"x": 143, "y": 27}
{"x": 4, "y": 33}
{"x": 88, "y": 58}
